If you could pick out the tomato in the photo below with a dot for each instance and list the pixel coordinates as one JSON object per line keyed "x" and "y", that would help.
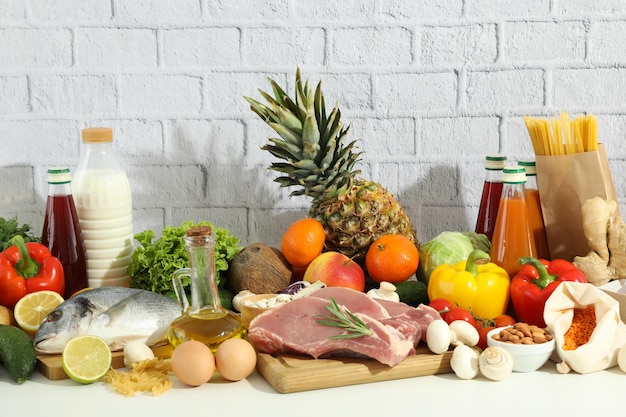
{"x": 459, "y": 313}
{"x": 504, "y": 320}
{"x": 482, "y": 333}
{"x": 441, "y": 305}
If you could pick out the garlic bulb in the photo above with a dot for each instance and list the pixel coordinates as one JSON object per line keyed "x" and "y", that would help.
{"x": 495, "y": 363}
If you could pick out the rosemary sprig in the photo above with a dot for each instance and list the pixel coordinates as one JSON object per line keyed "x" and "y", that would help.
{"x": 345, "y": 319}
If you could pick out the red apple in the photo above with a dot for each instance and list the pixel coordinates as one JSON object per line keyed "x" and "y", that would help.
{"x": 335, "y": 270}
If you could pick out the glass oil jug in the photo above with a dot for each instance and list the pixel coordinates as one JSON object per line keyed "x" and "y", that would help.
{"x": 204, "y": 320}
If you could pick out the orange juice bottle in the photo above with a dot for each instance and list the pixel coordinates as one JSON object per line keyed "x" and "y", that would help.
{"x": 512, "y": 236}
{"x": 535, "y": 216}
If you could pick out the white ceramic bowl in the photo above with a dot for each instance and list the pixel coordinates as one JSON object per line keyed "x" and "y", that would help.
{"x": 526, "y": 358}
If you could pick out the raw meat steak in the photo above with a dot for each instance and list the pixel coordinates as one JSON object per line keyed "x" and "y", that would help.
{"x": 293, "y": 328}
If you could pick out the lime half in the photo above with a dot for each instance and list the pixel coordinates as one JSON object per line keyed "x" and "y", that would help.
{"x": 86, "y": 358}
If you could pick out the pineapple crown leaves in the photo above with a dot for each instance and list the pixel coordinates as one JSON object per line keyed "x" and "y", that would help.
{"x": 310, "y": 142}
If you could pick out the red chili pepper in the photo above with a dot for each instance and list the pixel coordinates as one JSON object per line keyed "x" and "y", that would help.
{"x": 535, "y": 282}
{"x": 26, "y": 268}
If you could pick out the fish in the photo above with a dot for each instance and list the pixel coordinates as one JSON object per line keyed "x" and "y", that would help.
{"x": 116, "y": 314}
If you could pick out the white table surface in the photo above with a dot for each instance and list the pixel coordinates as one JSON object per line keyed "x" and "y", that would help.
{"x": 540, "y": 393}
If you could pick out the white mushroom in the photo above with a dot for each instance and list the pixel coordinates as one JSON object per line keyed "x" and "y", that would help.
{"x": 136, "y": 351}
{"x": 438, "y": 336}
{"x": 385, "y": 291}
{"x": 240, "y": 296}
{"x": 495, "y": 363}
{"x": 464, "y": 362}
{"x": 563, "y": 368}
{"x": 466, "y": 334}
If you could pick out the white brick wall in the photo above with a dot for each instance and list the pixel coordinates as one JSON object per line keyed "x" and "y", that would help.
{"x": 429, "y": 86}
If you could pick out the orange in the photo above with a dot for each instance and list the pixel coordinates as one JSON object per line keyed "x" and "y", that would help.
{"x": 392, "y": 258}
{"x": 303, "y": 241}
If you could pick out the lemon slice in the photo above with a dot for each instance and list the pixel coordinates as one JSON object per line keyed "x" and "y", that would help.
{"x": 86, "y": 358}
{"x": 32, "y": 308}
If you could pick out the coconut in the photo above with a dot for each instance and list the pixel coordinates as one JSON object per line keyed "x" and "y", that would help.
{"x": 259, "y": 268}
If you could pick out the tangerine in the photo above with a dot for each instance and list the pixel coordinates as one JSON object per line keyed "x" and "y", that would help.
{"x": 303, "y": 241}
{"x": 392, "y": 258}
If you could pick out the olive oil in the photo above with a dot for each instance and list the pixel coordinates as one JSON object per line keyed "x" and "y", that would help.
{"x": 204, "y": 319}
{"x": 207, "y": 326}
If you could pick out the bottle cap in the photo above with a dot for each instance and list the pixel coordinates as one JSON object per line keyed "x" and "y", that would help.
{"x": 514, "y": 175}
{"x": 97, "y": 135}
{"x": 59, "y": 175}
{"x": 495, "y": 162}
{"x": 529, "y": 165}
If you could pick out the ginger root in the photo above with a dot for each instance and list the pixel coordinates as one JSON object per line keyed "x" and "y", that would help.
{"x": 606, "y": 236}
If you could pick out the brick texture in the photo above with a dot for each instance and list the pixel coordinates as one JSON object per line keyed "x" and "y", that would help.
{"x": 428, "y": 88}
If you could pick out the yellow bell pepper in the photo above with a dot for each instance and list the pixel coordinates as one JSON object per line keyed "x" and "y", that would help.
{"x": 477, "y": 285}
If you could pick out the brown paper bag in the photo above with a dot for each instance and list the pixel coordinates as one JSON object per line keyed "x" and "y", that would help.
{"x": 565, "y": 183}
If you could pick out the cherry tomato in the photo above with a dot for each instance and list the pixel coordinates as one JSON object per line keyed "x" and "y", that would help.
{"x": 441, "y": 305}
{"x": 459, "y": 313}
{"x": 504, "y": 320}
{"x": 482, "y": 333}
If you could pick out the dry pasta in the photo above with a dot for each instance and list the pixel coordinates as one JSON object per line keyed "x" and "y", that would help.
{"x": 146, "y": 376}
{"x": 562, "y": 135}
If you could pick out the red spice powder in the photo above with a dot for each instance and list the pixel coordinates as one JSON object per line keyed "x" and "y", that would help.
{"x": 579, "y": 332}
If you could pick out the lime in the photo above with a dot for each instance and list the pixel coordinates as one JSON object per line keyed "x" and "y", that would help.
{"x": 32, "y": 308}
{"x": 86, "y": 358}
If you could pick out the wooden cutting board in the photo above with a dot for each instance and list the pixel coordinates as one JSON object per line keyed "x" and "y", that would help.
{"x": 294, "y": 373}
{"x": 52, "y": 368}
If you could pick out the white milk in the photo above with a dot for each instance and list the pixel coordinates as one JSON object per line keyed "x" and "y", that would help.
{"x": 103, "y": 199}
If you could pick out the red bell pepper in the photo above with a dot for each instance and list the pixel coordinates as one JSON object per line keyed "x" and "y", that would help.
{"x": 26, "y": 268}
{"x": 535, "y": 282}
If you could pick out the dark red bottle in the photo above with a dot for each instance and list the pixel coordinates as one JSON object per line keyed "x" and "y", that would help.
{"x": 61, "y": 230}
{"x": 492, "y": 192}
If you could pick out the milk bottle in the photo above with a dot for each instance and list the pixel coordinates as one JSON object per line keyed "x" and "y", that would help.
{"x": 103, "y": 199}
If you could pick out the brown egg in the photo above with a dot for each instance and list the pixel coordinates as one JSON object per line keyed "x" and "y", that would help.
{"x": 235, "y": 359}
{"x": 193, "y": 363}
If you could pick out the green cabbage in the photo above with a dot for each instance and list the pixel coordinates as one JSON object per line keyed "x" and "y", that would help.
{"x": 448, "y": 248}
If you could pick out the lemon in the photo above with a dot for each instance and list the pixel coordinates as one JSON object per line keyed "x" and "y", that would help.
{"x": 86, "y": 358}
{"x": 32, "y": 308}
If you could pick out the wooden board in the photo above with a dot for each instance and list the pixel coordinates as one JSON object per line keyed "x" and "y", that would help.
{"x": 293, "y": 373}
{"x": 52, "y": 368}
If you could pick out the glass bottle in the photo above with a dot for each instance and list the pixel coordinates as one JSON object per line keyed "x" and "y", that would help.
{"x": 512, "y": 237}
{"x": 103, "y": 200}
{"x": 204, "y": 319}
{"x": 61, "y": 230}
{"x": 492, "y": 192}
{"x": 535, "y": 215}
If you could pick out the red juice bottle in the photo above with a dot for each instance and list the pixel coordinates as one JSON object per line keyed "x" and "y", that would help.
{"x": 61, "y": 230}
{"x": 492, "y": 192}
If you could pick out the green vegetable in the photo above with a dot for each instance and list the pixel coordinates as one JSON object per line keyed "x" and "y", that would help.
{"x": 449, "y": 248}
{"x": 412, "y": 292}
{"x": 17, "y": 353}
{"x": 153, "y": 263}
{"x": 10, "y": 228}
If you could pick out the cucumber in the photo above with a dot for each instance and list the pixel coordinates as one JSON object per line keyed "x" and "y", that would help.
{"x": 412, "y": 292}
{"x": 17, "y": 353}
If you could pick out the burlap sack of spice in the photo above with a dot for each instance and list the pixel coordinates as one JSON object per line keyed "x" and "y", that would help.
{"x": 608, "y": 336}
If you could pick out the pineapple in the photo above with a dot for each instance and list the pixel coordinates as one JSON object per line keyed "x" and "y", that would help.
{"x": 317, "y": 160}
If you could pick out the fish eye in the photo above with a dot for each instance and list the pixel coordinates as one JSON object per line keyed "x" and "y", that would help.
{"x": 54, "y": 316}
